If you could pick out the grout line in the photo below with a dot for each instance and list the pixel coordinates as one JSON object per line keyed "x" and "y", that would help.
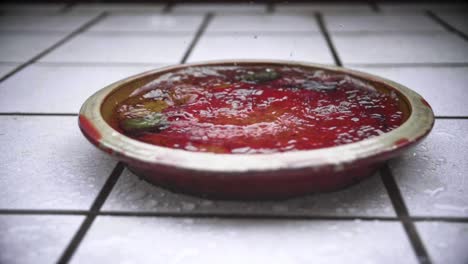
{"x": 323, "y": 29}
{"x": 168, "y": 7}
{"x": 446, "y": 25}
{"x": 440, "y": 219}
{"x": 36, "y": 114}
{"x": 452, "y": 117}
{"x": 206, "y": 20}
{"x": 271, "y": 216}
{"x": 402, "y": 213}
{"x": 41, "y": 212}
{"x": 374, "y": 6}
{"x": 67, "y": 7}
{"x": 97, "y": 204}
{"x": 56, "y": 45}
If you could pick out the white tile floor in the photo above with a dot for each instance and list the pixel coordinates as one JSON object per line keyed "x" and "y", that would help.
{"x": 35, "y": 238}
{"x": 429, "y": 82}
{"x": 401, "y": 48}
{"x": 231, "y": 241}
{"x": 324, "y": 7}
{"x": 43, "y": 23}
{"x": 449, "y": 249}
{"x": 149, "y": 23}
{"x": 366, "y": 199}
{"x": 222, "y": 9}
{"x": 51, "y": 176}
{"x": 432, "y": 178}
{"x": 43, "y": 167}
{"x": 59, "y": 89}
{"x": 21, "y": 47}
{"x": 263, "y": 23}
{"x": 293, "y": 47}
{"x": 120, "y": 48}
{"x": 380, "y": 23}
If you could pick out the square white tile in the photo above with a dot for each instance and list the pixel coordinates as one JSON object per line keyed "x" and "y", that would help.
{"x": 118, "y": 48}
{"x": 118, "y": 8}
{"x": 224, "y": 9}
{"x": 35, "y": 238}
{"x": 420, "y": 7}
{"x": 143, "y": 23}
{"x": 58, "y": 89}
{"x": 21, "y": 47}
{"x": 432, "y": 177}
{"x": 311, "y": 48}
{"x": 325, "y": 8}
{"x": 401, "y": 48}
{"x": 378, "y": 23}
{"x": 43, "y": 23}
{"x": 263, "y": 23}
{"x": 445, "y": 242}
{"x": 32, "y": 9}
{"x": 367, "y": 198}
{"x": 442, "y": 87}
{"x": 159, "y": 240}
{"x": 49, "y": 164}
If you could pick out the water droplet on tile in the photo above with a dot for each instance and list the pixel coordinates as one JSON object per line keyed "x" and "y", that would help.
{"x": 435, "y": 191}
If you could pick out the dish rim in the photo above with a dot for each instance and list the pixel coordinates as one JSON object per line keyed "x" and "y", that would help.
{"x": 419, "y": 123}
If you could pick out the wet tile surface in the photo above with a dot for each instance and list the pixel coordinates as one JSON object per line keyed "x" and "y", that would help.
{"x": 364, "y": 199}
{"x": 323, "y": 7}
{"x": 224, "y": 9}
{"x": 401, "y": 48}
{"x": 21, "y": 47}
{"x": 235, "y": 241}
{"x": 59, "y": 89}
{"x": 43, "y": 23}
{"x": 112, "y": 48}
{"x": 118, "y": 8}
{"x": 32, "y": 9}
{"x": 30, "y": 167}
{"x": 420, "y": 7}
{"x": 442, "y": 87}
{"x": 445, "y": 242}
{"x": 35, "y": 238}
{"x": 263, "y": 24}
{"x": 295, "y": 47}
{"x": 432, "y": 177}
{"x": 150, "y": 23}
{"x": 379, "y": 23}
